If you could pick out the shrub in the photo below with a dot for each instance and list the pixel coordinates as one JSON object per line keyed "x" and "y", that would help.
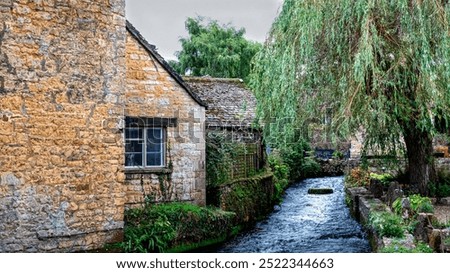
{"x": 158, "y": 228}
{"x": 420, "y": 204}
{"x": 357, "y": 177}
{"x": 280, "y": 175}
{"x": 147, "y": 231}
{"x": 442, "y": 187}
{"x": 293, "y": 157}
{"x": 384, "y": 178}
{"x": 310, "y": 168}
{"x": 386, "y": 224}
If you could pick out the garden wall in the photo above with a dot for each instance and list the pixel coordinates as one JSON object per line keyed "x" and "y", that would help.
{"x": 250, "y": 198}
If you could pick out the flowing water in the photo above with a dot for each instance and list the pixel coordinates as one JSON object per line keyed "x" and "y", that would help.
{"x": 306, "y": 223}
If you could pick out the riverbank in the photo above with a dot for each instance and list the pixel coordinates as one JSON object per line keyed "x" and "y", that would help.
{"x": 412, "y": 231}
{"x": 183, "y": 227}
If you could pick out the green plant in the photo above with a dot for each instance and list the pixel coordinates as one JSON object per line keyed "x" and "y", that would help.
{"x": 160, "y": 228}
{"x": 214, "y": 49}
{"x": 348, "y": 201}
{"x": 280, "y": 175}
{"x": 358, "y": 177}
{"x": 420, "y": 204}
{"x": 219, "y": 158}
{"x": 338, "y": 154}
{"x": 293, "y": 157}
{"x": 310, "y": 168}
{"x": 442, "y": 187}
{"x": 447, "y": 241}
{"x": 384, "y": 178}
{"x": 279, "y": 168}
{"x": 386, "y": 224}
{"x": 412, "y": 225}
{"x": 398, "y": 248}
{"x": 149, "y": 232}
{"x": 397, "y": 206}
{"x": 349, "y": 59}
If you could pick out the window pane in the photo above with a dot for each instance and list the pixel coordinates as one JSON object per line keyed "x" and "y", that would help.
{"x": 154, "y": 147}
{"x": 133, "y": 159}
{"x": 133, "y": 133}
{"x": 154, "y": 159}
{"x": 154, "y": 136}
{"x": 133, "y": 153}
{"x": 133, "y": 146}
{"x": 154, "y": 140}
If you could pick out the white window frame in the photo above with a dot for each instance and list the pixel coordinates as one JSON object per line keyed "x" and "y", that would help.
{"x": 144, "y": 152}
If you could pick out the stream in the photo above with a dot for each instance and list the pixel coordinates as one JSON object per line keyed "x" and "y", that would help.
{"x": 305, "y": 223}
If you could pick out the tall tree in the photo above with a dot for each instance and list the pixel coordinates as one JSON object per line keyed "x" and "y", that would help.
{"x": 215, "y": 50}
{"x": 380, "y": 65}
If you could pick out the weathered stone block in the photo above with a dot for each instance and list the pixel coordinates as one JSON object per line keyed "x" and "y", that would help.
{"x": 435, "y": 239}
{"x": 376, "y": 187}
{"x": 394, "y": 192}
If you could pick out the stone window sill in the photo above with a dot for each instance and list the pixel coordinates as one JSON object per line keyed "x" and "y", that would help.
{"x": 161, "y": 170}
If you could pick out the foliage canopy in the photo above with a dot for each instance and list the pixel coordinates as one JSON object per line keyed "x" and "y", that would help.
{"x": 215, "y": 50}
{"x": 381, "y": 65}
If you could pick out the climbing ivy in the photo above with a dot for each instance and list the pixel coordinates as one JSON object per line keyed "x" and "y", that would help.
{"x": 219, "y": 158}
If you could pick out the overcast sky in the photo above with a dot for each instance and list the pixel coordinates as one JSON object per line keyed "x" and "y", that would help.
{"x": 161, "y": 22}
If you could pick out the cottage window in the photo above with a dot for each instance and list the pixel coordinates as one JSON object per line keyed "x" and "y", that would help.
{"x": 145, "y": 142}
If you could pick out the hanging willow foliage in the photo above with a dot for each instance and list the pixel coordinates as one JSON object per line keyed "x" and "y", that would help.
{"x": 381, "y": 65}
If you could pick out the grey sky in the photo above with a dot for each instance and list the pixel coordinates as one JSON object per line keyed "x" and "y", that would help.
{"x": 161, "y": 22}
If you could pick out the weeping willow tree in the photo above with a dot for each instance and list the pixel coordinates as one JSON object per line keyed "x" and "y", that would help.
{"x": 381, "y": 66}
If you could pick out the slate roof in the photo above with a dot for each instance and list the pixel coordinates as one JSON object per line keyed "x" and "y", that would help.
{"x": 229, "y": 103}
{"x": 151, "y": 49}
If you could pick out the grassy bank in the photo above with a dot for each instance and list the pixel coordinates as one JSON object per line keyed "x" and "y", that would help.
{"x": 175, "y": 227}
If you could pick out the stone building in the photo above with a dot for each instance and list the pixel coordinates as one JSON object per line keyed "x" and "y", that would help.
{"x": 232, "y": 112}
{"x": 91, "y": 120}
{"x": 158, "y": 97}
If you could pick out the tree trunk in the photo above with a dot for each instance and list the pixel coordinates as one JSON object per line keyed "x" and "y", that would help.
{"x": 419, "y": 146}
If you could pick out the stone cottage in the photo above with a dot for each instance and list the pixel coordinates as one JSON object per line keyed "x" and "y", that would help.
{"x": 232, "y": 112}
{"x": 92, "y": 120}
{"x": 174, "y": 166}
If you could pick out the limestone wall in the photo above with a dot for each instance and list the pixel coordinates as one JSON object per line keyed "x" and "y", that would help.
{"x": 62, "y": 67}
{"x": 152, "y": 92}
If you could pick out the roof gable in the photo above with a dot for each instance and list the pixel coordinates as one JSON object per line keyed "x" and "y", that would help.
{"x": 151, "y": 49}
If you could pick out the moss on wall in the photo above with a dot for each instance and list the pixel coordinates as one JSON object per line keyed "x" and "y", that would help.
{"x": 250, "y": 198}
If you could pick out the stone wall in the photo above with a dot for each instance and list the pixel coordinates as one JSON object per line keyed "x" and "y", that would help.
{"x": 356, "y": 145}
{"x": 443, "y": 164}
{"x": 62, "y": 67}
{"x": 154, "y": 93}
{"x": 362, "y": 203}
{"x": 250, "y": 198}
